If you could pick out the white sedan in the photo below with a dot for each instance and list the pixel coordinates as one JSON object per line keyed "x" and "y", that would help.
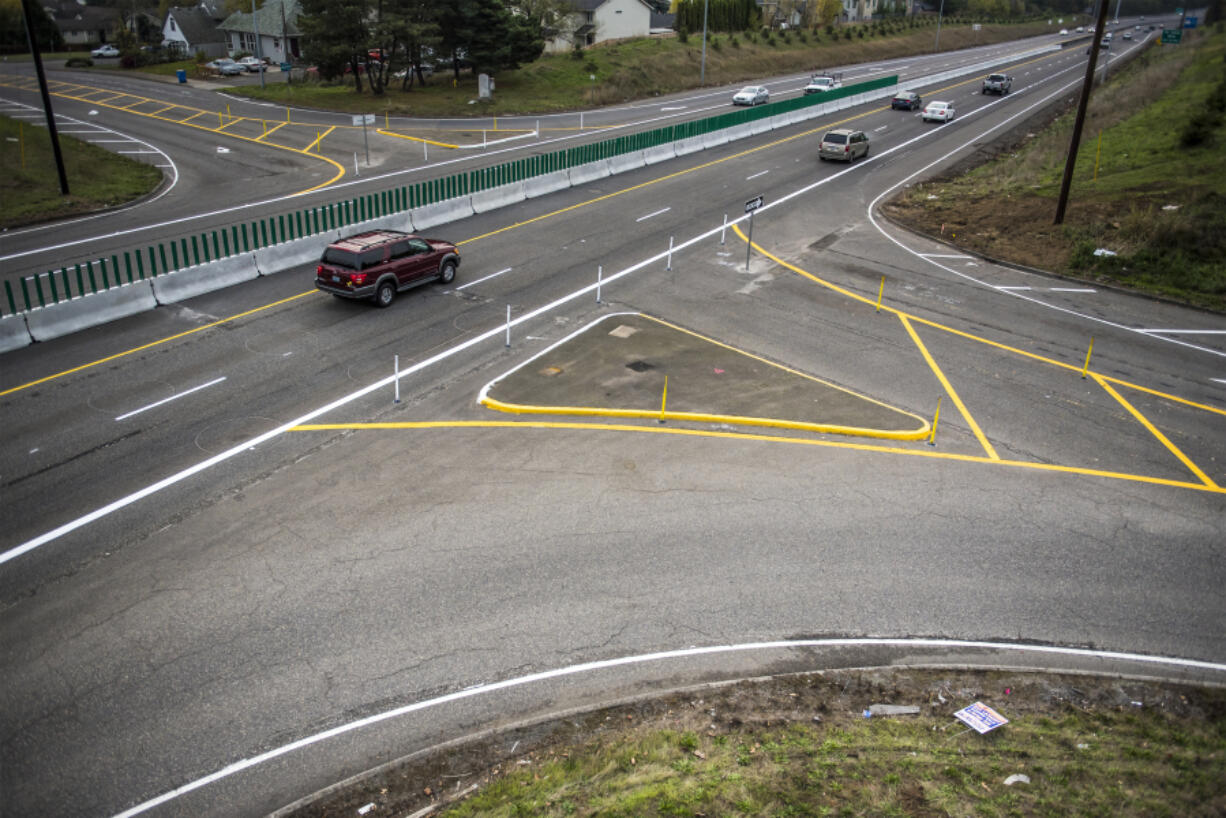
{"x": 252, "y": 64}
{"x": 105, "y": 51}
{"x": 938, "y": 112}
{"x": 751, "y": 95}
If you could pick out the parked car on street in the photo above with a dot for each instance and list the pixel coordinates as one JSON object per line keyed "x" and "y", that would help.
{"x": 751, "y": 95}
{"x": 378, "y": 264}
{"x": 843, "y": 144}
{"x": 938, "y": 112}
{"x": 105, "y": 51}
{"x": 906, "y": 101}
{"x": 252, "y": 64}
{"x": 225, "y": 66}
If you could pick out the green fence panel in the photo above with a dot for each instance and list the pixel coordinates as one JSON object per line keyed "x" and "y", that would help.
{"x": 246, "y": 248}
{"x": 55, "y": 293}
{"x": 161, "y": 252}
{"x": 93, "y": 282}
{"x": 8, "y": 294}
{"x": 67, "y": 285}
{"x": 38, "y": 289}
{"x": 80, "y": 282}
{"x": 174, "y": 256}
{"x": 298, "y": 221}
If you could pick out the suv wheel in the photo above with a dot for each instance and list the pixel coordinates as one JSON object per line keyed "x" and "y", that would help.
{"x": 446, "y": 274}
{"x": 385, "y": 294}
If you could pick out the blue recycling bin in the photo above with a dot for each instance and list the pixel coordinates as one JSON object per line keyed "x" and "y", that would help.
{"x": 181, "y": 74}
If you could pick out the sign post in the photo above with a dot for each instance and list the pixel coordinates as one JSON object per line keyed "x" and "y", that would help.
{"x": 750, "y": 206}
{"x": 364, "y": 120}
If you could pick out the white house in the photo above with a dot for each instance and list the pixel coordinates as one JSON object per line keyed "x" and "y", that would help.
{"x": 192, "y": 30}
{"x": 594, "y": 21}
{"x": 277, "y": 25}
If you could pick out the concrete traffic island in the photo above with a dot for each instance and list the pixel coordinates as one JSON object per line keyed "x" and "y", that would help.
{"x": 630, "y": 365}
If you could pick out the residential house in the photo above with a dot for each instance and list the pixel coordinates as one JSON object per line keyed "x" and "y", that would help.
{"x": 192, "y": 30}
{"x": 594, "y": 21}
{"x": 84, "y": 25}
{"x": 277, "y": 27}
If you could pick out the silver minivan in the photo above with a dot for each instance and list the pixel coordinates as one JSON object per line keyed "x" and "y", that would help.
{"x": 844, "y": 144}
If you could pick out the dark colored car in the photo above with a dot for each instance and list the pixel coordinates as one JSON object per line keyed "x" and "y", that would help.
{"x": 907, "y": 101}
{"x": 380, "y": 263}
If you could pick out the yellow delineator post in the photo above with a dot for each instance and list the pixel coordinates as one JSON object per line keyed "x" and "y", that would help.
{"x": 880, "y": 290}
{"x": 932, "y": 438}
{"x": 287, "y": 113}
{"x": 664, "y": 400}
{"x": 1086, "y": 368}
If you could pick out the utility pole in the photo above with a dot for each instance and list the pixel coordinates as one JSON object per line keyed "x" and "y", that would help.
{"x": 1071, "y": 162}
{"x": 702, "y": 74}
{"x": 940, "y": 15}
{"x": 259, "y": 50}
{"x": 42, "y": 87}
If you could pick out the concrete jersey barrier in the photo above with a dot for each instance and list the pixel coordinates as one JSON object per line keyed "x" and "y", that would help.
{"x": 91, "y": 310}
{"x": 14, "y": 334}
{"x": 204, "y": 278}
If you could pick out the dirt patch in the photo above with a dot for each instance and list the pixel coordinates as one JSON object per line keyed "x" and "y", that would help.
{"x": 829, "y": 707}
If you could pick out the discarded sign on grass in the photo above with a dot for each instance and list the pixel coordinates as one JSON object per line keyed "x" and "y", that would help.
{"x": 980, "y": 717}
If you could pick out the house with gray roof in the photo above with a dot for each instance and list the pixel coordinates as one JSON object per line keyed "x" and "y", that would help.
{"x": 276, "y": 26}
{"x": 192, "y": 30}
{"x": 594, "y": 21}
{"x": 84, "y": 25}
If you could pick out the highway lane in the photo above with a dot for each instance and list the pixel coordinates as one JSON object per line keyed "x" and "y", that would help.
{"x": 284, "y": 593}
{"x": 271, "y": 178}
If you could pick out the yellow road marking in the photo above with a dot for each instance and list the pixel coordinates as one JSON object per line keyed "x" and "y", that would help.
{"x": 158, "y": 342}
{"x": 319, "y": 139}
{"x": 1163, "y": 439}
{"x": 340, "y": 169}
{"x": 414, "y": 138}
{"x": 834, "y": 444}
{"x": 270, "y": 131}
{"x": 949, "y": 389}
{"x": 160, "y": 110}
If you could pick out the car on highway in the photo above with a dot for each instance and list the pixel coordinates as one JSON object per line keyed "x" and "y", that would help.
{"x": 999, "y": 84}
{"x": 1064, "y": 32}
{"x": 938, "y": 112}
{"x": 820, "y": 83}
{"x": 906, "y": 101}
{"x": 378, "y": 264}
{"x": 751, "y": 95}
{"x": 843, "y": 144}
{"x": 1127, "y": 35}
{"x": 252, "y": 64}
{"x": 105, "y": 51}
{"x": 225, "y": 66}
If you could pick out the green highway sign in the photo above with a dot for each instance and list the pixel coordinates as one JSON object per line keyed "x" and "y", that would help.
{"x": 1171, "y": 35}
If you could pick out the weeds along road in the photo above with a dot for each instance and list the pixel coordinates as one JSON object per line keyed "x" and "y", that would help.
{"x": 191, "y": 577}
{"x": 236, "y": 159}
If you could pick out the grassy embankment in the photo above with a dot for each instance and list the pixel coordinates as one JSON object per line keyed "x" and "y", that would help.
{"x": 1157, "y": 199}
{"x": 798, "y": 745}
{"x": 29, "y": 182}
{"x": 637, "y": 69}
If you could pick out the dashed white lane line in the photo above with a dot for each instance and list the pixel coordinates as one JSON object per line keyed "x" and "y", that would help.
{"x": 484, "y": 278}
{"x": 175, "y": 396}
{"x": 1072, "y": 289}
{"x": 650, "y": 215}
{"x": 645, "y": 658}
{"x": 942, "y": 255}
{"x": 1187, "y": 331}
{"x": 756, "y": 175}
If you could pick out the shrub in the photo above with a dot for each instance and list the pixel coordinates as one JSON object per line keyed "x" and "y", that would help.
{"x": 715, "y": 43}
{"x": 78, "y": 62}
{"x": 589, "y": 67}
{"x": 576, "y": 52}
{"x": 683, "y": 34}
{"x": 734, "y": 42}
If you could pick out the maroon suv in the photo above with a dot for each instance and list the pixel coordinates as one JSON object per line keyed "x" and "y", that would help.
{"x": 380, "y": 263}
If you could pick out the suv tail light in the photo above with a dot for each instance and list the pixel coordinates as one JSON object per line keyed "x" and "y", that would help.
{"x": 319, "y": 270}
{"x": 358, "y": 279}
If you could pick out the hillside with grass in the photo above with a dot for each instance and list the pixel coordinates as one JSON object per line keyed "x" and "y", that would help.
{"x": 1147, "y": 208}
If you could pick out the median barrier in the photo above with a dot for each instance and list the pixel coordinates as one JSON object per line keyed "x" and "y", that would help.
{"x": 690, "y": 144}
{"x": 279, "y": 257}
{"x": 91, "y": 310}
{"x": 659, "y": 153}
{"x": 449, "y": 210}
{"x": 204, "y": 278}
{"x": 14, "y": 334}
{"x": 546, "y": 183}
{"x": 761, "y": 126}
{"x": 715, "y": 138}
{"x": 626, "y": 162}
{"x": 589, "y": 172}
{"x": 496, "y": 197}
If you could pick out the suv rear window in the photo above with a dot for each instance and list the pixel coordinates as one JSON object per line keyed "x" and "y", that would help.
{"x": 836, "y": 138}
{"x": 354, "y": 261}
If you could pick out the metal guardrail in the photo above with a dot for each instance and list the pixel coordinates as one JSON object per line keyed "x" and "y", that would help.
{"x": 101, "y": 274}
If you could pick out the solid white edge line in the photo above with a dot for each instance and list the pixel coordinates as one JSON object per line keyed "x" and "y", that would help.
{"x": 1043, "y": 101}
{"x": 175, "y": 396}
{"x": 605, "y": 664}
{"x": 486, "y": 278}
{"x": 1187, "y": 331}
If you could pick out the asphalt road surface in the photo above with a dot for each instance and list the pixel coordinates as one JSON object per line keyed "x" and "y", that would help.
{"x": 223, "y": 536}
